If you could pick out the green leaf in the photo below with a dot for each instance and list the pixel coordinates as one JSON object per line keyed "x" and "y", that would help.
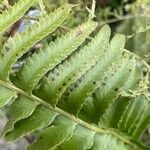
{"x": 6, "y": 95}
{"x": 73, "y": 68}
{"x": 40, "y": 118}
{"x": 45, "y": 115}
{"x": 108, "y": 142}
{"x": 46, "y": 59}
{"x": 81, "y": 139}
{"x": 111, "y": 117}
{"x": 87, "y": 87}
{"x": 61, "y": 130}
{"x": 133, "y": 82}
{"x": 136, "y": 114}
{"x": 14, "y": 13}
{"x": 143, "y": 123}
{"x": 109, "y": 89}
{"x": 82, "y": 88}
{"x": 21, "y": 108}
{"x": 21, "y": 43}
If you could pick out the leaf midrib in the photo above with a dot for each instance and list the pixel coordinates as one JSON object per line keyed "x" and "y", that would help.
{"x": 60, "y": 111}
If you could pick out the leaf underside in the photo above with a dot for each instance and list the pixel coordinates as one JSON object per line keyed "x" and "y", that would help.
{"x": 71, "y": 96}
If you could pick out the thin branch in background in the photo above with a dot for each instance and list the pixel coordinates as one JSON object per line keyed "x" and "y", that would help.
{"x": 140, "y": 59}
{"x": 92, "y": 11}
{"x": 122, "y": 18}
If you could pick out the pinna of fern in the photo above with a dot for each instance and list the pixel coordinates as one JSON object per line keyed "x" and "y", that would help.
{"x": 72, "y": 96}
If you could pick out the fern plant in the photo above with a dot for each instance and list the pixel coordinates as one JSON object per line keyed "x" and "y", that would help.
{"x": 72, "y": 97}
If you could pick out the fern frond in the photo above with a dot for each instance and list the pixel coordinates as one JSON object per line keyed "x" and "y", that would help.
{"x": 14, "y": 13}
{"x": 109, "y": 92}
{"x": 81, "y": 139}
{"x": 73, "y": 68}
{"x": 126, "y": 120}
{"x": 6, "y": 96}
{"x": 118, "y": 105}
{"x": 142, "y": 124}
{"x": 89, "y": 88}
{"x": 129, "y": 121}
{"x": 40, "y": 118}
{"x": 134, "y": 80}
{"x": 44, "y": 116}
{"x": 21, "y": 108}
{"x": 105, "y": 142}
{"x": 80, "y": 90}
{"x": 46, "y": 59}
{"x": 21, "y": 43}
{"x": 63, "y": 126}
{"x": 110, "y": 118}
